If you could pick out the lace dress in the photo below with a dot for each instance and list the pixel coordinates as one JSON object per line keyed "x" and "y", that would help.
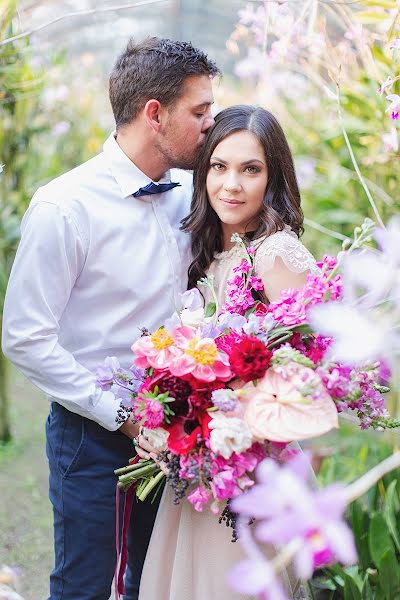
{"x": 190, "y": 552}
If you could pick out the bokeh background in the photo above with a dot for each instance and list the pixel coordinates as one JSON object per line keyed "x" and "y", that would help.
{"x": 319, "y": 65}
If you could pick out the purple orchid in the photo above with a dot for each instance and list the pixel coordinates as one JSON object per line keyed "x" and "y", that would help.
{"x": 288, "y": 510}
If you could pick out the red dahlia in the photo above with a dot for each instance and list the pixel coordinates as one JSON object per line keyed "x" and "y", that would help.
{"x": 249, "y": 359}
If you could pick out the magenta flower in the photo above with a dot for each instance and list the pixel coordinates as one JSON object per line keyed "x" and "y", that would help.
{"x": 199, "y": 497}
{"x": 151, "y": 411}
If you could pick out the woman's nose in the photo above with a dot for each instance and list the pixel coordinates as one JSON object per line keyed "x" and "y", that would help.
{"x": 231, "y": 182}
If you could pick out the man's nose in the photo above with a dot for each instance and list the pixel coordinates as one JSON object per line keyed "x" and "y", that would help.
{"x": 208, "y": 122}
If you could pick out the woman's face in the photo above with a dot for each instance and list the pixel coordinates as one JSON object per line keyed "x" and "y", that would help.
{"x": 236, "y": 182}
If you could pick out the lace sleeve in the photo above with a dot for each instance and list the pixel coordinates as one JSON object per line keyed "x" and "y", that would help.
{"x": 288, "y": 247}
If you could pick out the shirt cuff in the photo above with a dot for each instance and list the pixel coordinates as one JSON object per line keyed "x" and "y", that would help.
{"x": 109, "y": 412}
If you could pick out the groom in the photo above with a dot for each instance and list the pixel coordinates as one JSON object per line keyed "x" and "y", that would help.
{"x": 101, "y": 256}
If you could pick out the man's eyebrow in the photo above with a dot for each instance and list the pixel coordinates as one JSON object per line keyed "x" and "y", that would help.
{"x": 204, "y": 104}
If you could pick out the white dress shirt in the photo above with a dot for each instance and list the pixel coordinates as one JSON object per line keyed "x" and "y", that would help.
{"x": 93, "y": 266}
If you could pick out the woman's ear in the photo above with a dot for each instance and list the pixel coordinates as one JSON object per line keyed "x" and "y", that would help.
{"x": 152, "y": 114}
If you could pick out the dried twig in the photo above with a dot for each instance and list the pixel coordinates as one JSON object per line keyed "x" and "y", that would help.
{"x": 78, "y": 13}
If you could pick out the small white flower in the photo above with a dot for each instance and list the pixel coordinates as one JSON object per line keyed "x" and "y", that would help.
{"x": 157, "y": 438}
{"x": 395, "y": 44}
{"x": 228, "y": 435}
{"x": 386, "y": 84}
{"x": 391, "y": 140}
{"x": 192, "y": 318}
{"x": 2, "y": 168}
{"x": 394, "y": 108}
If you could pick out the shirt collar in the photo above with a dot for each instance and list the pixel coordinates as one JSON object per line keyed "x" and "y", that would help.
{"x": 128, "y": 176}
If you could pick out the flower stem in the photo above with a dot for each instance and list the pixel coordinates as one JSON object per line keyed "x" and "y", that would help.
{"x": 354, "y": 161}
{"x": 132, "y": 467}
{"x": 138, "y": 473}
{"x": 151, "y": 485}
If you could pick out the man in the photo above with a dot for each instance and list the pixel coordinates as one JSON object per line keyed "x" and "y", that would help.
{"x": 101, "y": 256}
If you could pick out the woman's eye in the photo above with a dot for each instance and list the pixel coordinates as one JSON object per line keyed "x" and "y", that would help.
{"x": 217, "y": 166}
{"x": 251, "y": 169}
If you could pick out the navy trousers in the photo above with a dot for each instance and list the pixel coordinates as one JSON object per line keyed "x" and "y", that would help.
{"x": 82, "y": 457}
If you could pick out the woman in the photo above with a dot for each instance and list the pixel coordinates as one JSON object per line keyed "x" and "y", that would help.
{"x": 244, "y": 183}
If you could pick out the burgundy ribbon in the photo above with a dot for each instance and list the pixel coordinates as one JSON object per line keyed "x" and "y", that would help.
{"x": 122, "y": 548}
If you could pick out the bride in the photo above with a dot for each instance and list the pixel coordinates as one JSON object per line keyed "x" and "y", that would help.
{"x": 244, "y": 183}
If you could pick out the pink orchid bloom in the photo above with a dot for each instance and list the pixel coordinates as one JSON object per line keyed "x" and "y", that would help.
{"x": 277, "y": 411}
{"x": 155, "y": 350}
{"x": 198, "y": 356}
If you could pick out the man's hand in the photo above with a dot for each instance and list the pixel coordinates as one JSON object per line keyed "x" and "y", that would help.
{"x": 130, "y": 428}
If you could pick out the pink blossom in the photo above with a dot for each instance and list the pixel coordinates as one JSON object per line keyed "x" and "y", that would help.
{"x": 277, "y": 410}
{"x": 243, "y": 267}
{"x": 198, "y": 356}
{"x": 224, "y": 485}
{"x": 156, "y": 350}
{"x": 152, "y": 412}
{"x": 199, "y": 497}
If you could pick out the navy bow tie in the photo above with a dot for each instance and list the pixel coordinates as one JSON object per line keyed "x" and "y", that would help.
{"x": 154, "y": 188}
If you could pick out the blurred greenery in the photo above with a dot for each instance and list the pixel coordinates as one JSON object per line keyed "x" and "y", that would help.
{"x": 47, "y": 128}
{"x": 374, "y": 518}
{"x": 293, "y": 58}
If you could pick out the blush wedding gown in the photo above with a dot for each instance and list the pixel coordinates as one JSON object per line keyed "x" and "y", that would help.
{"x": 190, "y": 553}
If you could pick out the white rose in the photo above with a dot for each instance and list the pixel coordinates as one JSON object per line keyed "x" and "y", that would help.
{"x": 157, "y": 438}
{"x": 228, "y": 435}
{"x": 192, "y": 318}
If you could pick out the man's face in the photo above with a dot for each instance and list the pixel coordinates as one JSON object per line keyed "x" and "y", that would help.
{"x": 186, "y": 123}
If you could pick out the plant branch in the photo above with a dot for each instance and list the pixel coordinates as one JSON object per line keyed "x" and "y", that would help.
{"x": 354, "y": 161}
{"x": 362, "y": 485}
{"x": 78, "y": 13}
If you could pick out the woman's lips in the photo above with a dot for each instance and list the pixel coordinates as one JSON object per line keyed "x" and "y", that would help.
{"x": 231, "y": 202}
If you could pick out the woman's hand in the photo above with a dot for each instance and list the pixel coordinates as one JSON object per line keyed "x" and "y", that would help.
{"x": 145, "y": 450}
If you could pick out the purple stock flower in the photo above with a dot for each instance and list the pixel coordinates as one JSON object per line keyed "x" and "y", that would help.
{"x": 105, "y": 373}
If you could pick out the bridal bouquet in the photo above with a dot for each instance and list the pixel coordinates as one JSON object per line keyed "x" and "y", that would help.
{"x": 218, "y": 389}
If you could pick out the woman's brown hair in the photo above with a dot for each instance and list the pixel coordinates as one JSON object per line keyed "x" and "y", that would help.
{"x": 281, "y": 204}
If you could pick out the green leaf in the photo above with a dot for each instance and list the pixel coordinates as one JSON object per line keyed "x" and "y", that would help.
{"x": 380, "y": 3}
{"x": 379, "y": 539}
{"x": 359, "y": 525}
{"x": 370, "y": 18}
{"x": 389, "y": 512}
{"x": 210, "y": 309}
{"x": 351, "y": 590}
{"x": 389, "y": 575}
{"x": 366, "y": 591}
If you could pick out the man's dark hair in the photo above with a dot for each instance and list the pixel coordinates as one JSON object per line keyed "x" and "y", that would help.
{"x": 154, "y": 68}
